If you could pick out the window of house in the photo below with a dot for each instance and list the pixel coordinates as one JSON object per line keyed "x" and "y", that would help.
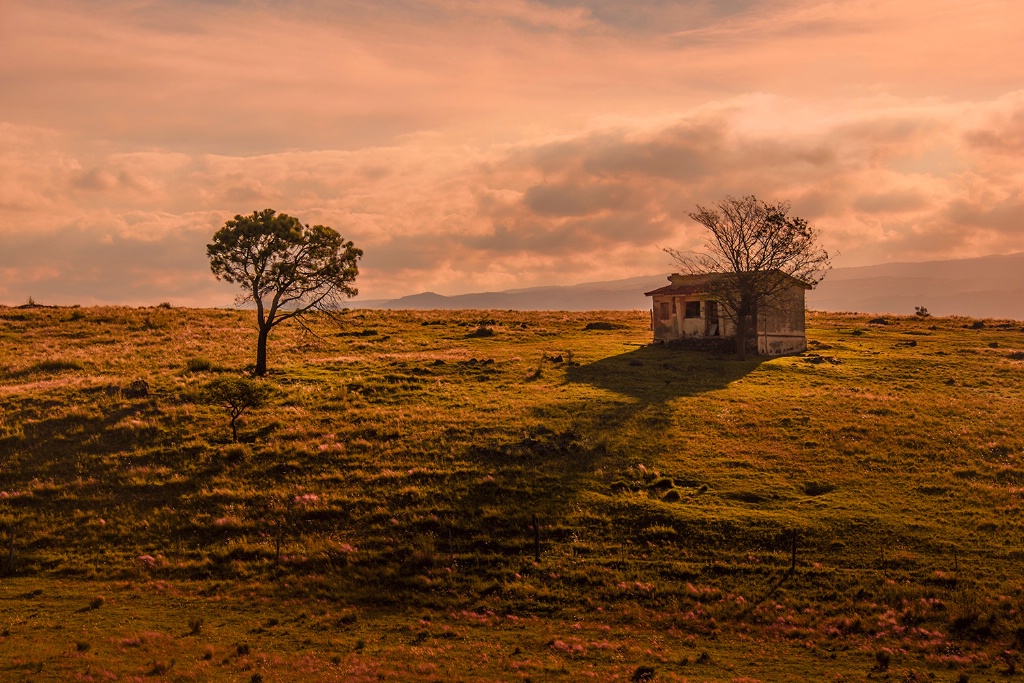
{"x": 692, "y": 309}
{"x": 664, "y": 310}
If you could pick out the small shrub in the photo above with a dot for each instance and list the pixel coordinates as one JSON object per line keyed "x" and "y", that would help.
{"x": 54, "y": 366}
{"x": 482, "y": 331}
{"x": 882, "y": 660}
{"x": 137, "y": 389}
{"x": 197, "y": 364}
{"x": 921, "y": 312}
{"x": 242, "y": 649}
{"x": 237, "y": 394}
{"x": 662, "y": 484}
{"x": 195, "y": 626}
{"x": 164, "y": 304}
{"x": 161, "y": 668}
{"x": 601, "y": 325}
{"x": 236, "y": 452}
{"x": 818, "y": 488}
{"x": 82, "y": 646}
{"x": 97, "y": 602}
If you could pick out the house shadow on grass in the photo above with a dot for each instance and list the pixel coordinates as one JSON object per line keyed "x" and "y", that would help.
{"x": 655, "y": 374}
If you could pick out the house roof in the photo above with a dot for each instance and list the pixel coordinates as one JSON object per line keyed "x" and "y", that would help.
{"x": 686, "y": 285}
{"x": 673, "y": 289}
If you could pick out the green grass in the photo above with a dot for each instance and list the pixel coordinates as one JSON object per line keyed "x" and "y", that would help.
{"x": 379, "y": 511}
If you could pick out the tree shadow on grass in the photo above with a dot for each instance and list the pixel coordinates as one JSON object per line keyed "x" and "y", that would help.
{"x": 656, "y": 374}
{"x": 544, "y": 472}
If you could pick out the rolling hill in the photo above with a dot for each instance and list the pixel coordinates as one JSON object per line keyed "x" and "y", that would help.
{"x": 984, "y": 287}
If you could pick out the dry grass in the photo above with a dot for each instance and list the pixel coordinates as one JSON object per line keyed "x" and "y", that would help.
{"x": 387, "y": 497}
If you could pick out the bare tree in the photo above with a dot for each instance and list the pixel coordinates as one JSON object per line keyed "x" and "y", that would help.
{"x": 754, "y": 250}
{"x": 284, "y": 267}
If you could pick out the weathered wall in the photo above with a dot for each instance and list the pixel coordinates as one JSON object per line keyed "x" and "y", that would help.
{"x": 780, "y": 325}
{"x": 677, "y": 325}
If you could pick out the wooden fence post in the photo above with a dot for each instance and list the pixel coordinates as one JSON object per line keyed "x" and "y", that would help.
{"x": 10, "y": 548}
{"x": 536, "y": 540}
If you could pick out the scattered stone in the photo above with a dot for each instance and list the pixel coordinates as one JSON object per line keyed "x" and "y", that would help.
{"x": 556, "y": 359}
{"x": 878, "y": 321}
{"x": 978, "y": 325}
{"x": 642, "y": 673}
{"x": 672, "y": 496}
{"x": 993, "y": 345}
{"x": 817, "y": 359}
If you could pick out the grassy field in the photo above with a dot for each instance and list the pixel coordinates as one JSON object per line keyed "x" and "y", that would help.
{"x": 485, "y": 495}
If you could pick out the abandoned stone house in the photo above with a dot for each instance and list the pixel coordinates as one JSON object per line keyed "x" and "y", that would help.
{"x": 687, "y": 308}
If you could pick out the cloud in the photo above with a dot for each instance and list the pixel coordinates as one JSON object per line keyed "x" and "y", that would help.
{"x": 467, "y": 145}
{"x": 578, "y": 207}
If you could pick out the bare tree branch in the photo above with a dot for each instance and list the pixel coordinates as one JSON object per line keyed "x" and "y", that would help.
{"x": 754, "y": 250}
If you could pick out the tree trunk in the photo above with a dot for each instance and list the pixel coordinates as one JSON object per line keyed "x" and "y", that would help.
{"x": 741, "y": 334}
{"x": 261, "y": 351}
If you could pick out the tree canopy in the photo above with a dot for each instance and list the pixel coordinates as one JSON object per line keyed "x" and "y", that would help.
{"x": 283, "y": 267}
{"x": 237, "y": 394}
{"x": 754, "y": 248}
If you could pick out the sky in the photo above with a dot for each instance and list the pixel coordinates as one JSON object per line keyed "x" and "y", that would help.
{"x": 468, "y": 145}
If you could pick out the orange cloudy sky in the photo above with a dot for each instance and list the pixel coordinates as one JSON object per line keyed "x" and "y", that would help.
{"x": 468, "y": 145}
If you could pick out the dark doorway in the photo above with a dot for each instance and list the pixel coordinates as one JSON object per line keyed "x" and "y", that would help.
{"x": 711, "y": 318}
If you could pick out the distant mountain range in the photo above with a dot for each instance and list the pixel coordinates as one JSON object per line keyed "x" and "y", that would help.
{"x": 985, "y": 287}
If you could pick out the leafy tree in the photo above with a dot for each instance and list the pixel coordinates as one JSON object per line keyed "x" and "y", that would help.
{"x": 237, "y": 395}
{"x": 755, "y": 247}
{"x": 284, "y": 267}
